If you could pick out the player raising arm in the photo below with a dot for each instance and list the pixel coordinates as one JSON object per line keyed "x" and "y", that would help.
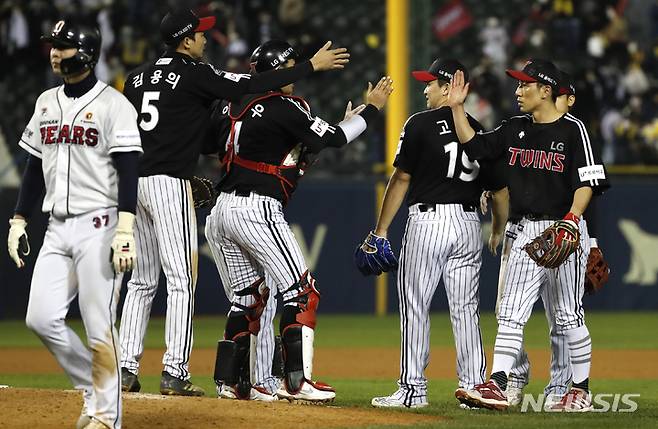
{"x": 551, "y": 170}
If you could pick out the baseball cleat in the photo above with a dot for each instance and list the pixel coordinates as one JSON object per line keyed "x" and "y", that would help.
{"x": 96, "y": 424}
{"x": 514, "y": 395}
{"x": 552, "y": 399}
{"x": 312, "y": 392}
{"x": 399, "y": 399}
{"x": 486, "y": 395}
{"x": 129, "y": 381}
{"x": 464, "y": 397}
{"x": 575, "y": 401}
{"x": 84, "y": 419}
{"x": 170, "y": 385}
{"x": 257, "y": 393}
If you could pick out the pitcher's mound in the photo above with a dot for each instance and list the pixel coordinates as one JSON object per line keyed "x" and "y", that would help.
{"x": 30, "y": 408}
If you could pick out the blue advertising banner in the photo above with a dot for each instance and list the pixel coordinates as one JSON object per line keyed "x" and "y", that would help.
{"x": 330, "y": 218}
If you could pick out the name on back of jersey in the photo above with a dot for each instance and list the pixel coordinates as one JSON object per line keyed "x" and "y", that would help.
{"x": 155, "y": 78}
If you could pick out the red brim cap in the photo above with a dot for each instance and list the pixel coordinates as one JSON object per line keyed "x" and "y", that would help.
{"x": 423, "y": 76}
{"x": 519, "y": 75}
{"x": 205, "y": 23}
{"x": 564, "y": 91}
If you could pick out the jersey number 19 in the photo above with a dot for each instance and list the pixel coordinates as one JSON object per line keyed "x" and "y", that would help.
{"x": 470, "y": 169}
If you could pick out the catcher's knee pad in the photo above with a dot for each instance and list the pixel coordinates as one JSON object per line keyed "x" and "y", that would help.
{"x": 233, "y": 365}
{"x": 253, "y": 312}
{"x": 302, "y": 307}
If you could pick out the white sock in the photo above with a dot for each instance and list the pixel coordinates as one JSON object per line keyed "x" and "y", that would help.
{"x": 580, "y": 349}
{"x": 508, "y": 345}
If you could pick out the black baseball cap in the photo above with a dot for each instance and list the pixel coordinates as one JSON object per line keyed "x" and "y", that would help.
{"x": 440, "y": 69}
{"x": 183, "y": 22}
{"x": 537, "y": 70}
{"x": 567, "y": 85}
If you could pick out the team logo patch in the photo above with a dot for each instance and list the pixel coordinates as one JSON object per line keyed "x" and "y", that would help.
{"x": 319, "y": 126}
{"x": 163, "y": 61}
{"x": 44, "y": 110}
{"x": 522, "y": 134}
{"x": 89, "y": 115}
{"x": 591, "y": 172}
{"x": 58, "y": 27}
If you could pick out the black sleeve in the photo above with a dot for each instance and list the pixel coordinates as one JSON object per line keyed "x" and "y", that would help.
{"x": 314, "y": 132}
{"x": 126, "y": 164}
{"x": 220, "y": 127}
{"x": 232, "y": 86}
{"x": 409, "y": 146}
{"x": 590, "y": 216}
{"x": 32, "y": 187}
{"x": 487, "y": 145}
{"x": 493, "y": 175}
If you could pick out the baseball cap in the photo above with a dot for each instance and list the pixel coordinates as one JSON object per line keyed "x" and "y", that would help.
{"x": 183, "y": 22}
{"x": 567, "y": 85}
{"x": 537, "y": 70}
{"x": 440, "y": 69}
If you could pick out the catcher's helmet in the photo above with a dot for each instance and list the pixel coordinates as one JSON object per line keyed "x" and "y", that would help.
{"x": 67, "y": 34}
{"x": 272, "y": 54}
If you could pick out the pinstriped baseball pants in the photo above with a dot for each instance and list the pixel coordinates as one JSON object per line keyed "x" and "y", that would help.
{"x": 166, "y": 240}
{"x": 443, "y": 244}
{"x": 250, "y": 238}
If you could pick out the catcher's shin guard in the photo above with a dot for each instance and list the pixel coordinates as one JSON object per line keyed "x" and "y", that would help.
{"x": 277, "y": 359}
{"x": 297, "y": 332}
{"x": 232, "y": 366}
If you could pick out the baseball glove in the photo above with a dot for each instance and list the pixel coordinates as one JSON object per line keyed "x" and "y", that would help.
{"x": 203, "y": 192}
{"x": 555, "y": 244}
{"x": 597, "y": 271}
{"x": 375, "y": 256}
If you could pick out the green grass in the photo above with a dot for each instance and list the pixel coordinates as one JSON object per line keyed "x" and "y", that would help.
{"x": 608, "y": 330}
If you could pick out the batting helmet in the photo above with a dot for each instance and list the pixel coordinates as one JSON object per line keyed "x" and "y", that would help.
{"x": 87, "y": 40}
{"x": 272, "y": 54}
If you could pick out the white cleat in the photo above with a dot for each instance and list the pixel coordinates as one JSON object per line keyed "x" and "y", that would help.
{"x": 311, "y": 392}
{"x": 256, "y": 394}
{"x": 514, "y": 395}
{"x": 399, "y": 400}
{"x": 574, "y": 401}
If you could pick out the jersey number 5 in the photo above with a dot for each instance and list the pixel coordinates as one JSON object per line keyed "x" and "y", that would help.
{"x": 149, "y": 109}
{"x": 473, "y": 168}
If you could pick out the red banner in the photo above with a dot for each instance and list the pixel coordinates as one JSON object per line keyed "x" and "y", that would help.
{"x": 451, "y": 19}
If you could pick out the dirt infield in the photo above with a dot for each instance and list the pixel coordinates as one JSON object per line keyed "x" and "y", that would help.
{"x": 363, "y": 363}
{"x": 36, "y": 408}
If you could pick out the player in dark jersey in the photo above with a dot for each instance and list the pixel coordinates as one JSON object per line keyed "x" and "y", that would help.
{"x": 442, "y": 238}
{"x": 551, "y": 170}
{"x": 173, "y": 97}
{"x": 267, "y": 140}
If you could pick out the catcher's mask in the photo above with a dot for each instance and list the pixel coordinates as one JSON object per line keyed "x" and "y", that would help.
{"x": 67, "y": 34}
{"x": 271, "y": 55}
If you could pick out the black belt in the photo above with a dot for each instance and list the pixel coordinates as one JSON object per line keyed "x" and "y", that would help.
{"x": 432, "y": 207}
{"x": 242, "y": 193}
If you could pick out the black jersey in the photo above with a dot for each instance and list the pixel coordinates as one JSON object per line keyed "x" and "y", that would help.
{"x": 273, "y": 136}
{"x": 545, "y": 163}
{"x": 173, "y": 96}
{"x": 441, "y": 173}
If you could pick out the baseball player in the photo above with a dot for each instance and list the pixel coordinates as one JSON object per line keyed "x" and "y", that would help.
{"x": 560, "y": 369}
{"x": 442, "y": 239}
{"x": 173, "y": 95}
{"x": 544, "y": 150}
{"x": 267, "y": 140}
{"x": 83, "y": 147}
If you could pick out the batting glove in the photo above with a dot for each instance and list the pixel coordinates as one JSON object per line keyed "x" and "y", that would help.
{"x": 17, "y": 241}
{"x": 123, "y": 254}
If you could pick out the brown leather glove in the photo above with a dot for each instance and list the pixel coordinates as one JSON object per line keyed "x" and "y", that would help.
{"x": 597, "y": 271}
{"x": 555, "y": 244}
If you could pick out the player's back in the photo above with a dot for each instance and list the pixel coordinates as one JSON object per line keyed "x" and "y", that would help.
{"x": 173, "y": 113}
{"x": 430, "y": 152}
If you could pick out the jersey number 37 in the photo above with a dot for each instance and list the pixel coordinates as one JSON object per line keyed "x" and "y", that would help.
{"x": 469, "y": 169}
